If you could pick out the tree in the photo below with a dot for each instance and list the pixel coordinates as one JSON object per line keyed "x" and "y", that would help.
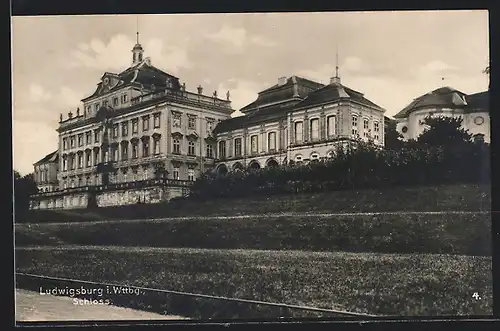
{"x": 393, "y": 139}
{"x": 24, "y": 186}
{"x": 443, "y": 131}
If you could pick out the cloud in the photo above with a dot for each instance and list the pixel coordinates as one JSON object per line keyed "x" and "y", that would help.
{"x": 38, "y": 94}
{"x": 434, "y": 68}
{"x": 116, "y": 55}
{"x": 31, "y": 140}
{"x": 241, "y": 92}
{"x": 239, "y": 38}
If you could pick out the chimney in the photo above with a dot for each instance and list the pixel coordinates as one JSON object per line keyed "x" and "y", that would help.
{"x": 200, "y": 89}
{"x": 281, "y": 81}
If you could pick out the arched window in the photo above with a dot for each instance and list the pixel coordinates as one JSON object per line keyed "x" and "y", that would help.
{"x": 177, "y": 146}
{"x": 191, "y": 148}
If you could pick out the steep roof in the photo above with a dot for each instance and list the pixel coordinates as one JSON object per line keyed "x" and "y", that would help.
{"x": 442, "y": 97}
{"x": 478, "y": 101}
{"x": 293, "y": 87}
{"x": 332, "y": 92}
{"x": 143, "y": 73}
{"x": 49, "y": 158}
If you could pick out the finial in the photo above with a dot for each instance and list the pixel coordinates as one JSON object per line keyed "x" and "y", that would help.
{"x": 60, "y": 117}
{"x": 70, "y": 115}
{"x": 337, "y": 62}
{"x": 200, "y": 89}
{"x": 215, "y": 94}
{"x": 227, "y": 95}
{"x": 137, "y": 27}
{"x": 77, "y": 111}
{"x": 184, "y": 86}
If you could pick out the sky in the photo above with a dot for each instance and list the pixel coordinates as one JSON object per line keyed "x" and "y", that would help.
{"x": 391, "y": 57}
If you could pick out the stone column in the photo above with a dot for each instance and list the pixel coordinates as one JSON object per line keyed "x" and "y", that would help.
{"x": 322, "y": 126}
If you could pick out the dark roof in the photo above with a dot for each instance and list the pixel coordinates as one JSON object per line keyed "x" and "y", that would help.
{"x": 267, "y": 114}
{"x": 294, "y": 87}
{"x": 442, "y": 97}
{"x": 333, "y": 92}
{"x": 52, "y": 157}
{"x": 147, "y": 75}
{"x": 479, "y": 101}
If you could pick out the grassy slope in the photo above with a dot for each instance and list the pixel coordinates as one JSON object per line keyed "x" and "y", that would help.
{"x": 436, "y": 198}
{"x": 368, "y": 283}
{"x": 468, "y": 234}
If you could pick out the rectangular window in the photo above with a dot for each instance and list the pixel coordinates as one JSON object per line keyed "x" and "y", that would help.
{"x": 65, "y": 164}
{"x": 177, "y": 121}
{"x": 222, "y": 149}
{"x": 80, "y": 139}
{"x": 89, "y": 110}
{"x": 191, "y": 174}
{"x": 80, "y": 161}
{"x": 299, "y": 131}
{"x": 73, "y": 162}
{"x": 124, "y": 98}
{"x": 145, "y": 148}
{"x": 365, "y": 124}
{"x": 191, "y": 148}
{"x": 88, "y": 137}
{"x": 134, "y": 151}
{"x": 115, "y": 131}
{"x": 157, "y": 120}
{"x": 271, "y": 141}
{"x": 210, "y": 151}
{"x": 354, "y": 125}
{"x": 115, "y": 101}
{"x": 96, "y": 135}
{"x": 135, "y": 126}
{"x": 96, "y": 156}
{"x": 72, "y": 141}
{"x": 191, "y": 123}
{"x": 89, "y": 159}
{"x": 125, "y": 129}
{"x": 331, "y": 123}
{"x": 124, "y": 152}
{"x": 105, "y": 103}
{"x": 156, "y": 146}
{"x": 65, "y": 143}
{"x": 210, "y": 126}
{"x": 376, "y": 130}
{"x": 177, "y": 146}
{"x": 314, "y": 129}
{"x": 237, "y": 147}
{"x": 145, "y": 123}
{"x": 115, "y": 154}
{"x": 254, "y": 143}
{"x": 96, "y": 107}
{"x": 175, "y": 173}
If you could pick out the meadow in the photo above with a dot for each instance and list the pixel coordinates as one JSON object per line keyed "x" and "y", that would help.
{"x": 388, "y": 284}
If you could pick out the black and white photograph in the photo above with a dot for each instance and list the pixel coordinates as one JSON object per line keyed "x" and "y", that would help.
{"x": 251, "y": 166}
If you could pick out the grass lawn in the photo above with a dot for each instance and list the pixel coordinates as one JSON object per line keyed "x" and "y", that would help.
{"x": 463, "y": 234}
{"x": 393, "y": 284}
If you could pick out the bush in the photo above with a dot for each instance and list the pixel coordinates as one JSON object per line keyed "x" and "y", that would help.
{"x": 360, "y": 168}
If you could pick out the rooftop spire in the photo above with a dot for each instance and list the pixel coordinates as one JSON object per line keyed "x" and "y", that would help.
{"x": 137, "y": 51}
{"x": 336, "y": 79}
{"x": 137, "y": 28}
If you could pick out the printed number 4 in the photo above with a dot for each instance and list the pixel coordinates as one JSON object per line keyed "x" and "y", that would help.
{"x": 476, "y": 296}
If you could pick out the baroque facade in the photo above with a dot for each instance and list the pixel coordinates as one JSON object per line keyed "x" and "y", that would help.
{"x": 446, "y": 101}
{"x": 297, "y": 120}
{"x": 141, "y": 137}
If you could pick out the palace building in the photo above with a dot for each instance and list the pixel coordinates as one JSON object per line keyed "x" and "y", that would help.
{"x": 141, "y": 137}
{"x": 297, "y": 120}
{"x": 446, "y": 101}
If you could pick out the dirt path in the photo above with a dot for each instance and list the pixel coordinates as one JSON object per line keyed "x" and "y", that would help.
{"x": 31, "y": 307}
